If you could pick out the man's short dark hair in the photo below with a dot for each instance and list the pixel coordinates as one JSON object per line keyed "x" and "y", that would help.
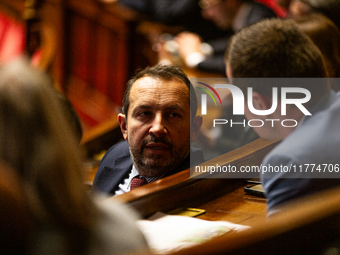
{"x": 163, "y": 72}
{"x": 275, "y": 48}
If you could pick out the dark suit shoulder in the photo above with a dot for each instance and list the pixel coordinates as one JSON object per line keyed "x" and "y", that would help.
{"x": 259, "y": 12}
{"x": 118, "y": 150}
{"x": 118, "y": 156}
{"x": 113, "y": 168}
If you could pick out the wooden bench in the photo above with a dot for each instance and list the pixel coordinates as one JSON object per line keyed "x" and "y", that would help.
{"x": 310, "y": 225}
{"x": 180, "y": 190}
{"x": 307, "y": 226}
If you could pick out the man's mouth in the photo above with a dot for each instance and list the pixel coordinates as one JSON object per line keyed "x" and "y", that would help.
{"x": 157, "y": 146}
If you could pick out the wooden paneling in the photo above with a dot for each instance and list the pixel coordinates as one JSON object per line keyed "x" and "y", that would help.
{"x": 79, "y": 47}
{"x": 93, "y": 43}
{"x": 99, "y": 46}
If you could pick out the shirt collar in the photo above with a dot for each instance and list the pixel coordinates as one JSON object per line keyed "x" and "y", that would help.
{"x": 134, "y": 173}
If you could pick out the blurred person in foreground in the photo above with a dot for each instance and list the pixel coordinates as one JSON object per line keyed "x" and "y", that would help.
{"x": 278, "y": 49}
{"x": 40, "y": 145}
{"x": 15, "y": 220}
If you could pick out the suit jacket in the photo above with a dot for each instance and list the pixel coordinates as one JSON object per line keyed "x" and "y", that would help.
{"x": 315, "y": 141}
{"x": 116, "y": 165}
{"x": 215, "y": 63}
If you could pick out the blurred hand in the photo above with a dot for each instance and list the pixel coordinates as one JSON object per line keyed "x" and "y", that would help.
{"x": 188, "y": 43}
{"x": 164, "y": 57}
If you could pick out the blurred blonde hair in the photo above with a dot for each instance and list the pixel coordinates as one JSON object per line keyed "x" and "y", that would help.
{"x": 36, "y": 141}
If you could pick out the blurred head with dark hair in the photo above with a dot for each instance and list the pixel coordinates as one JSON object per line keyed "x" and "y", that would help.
{"x": 275, "y": 49}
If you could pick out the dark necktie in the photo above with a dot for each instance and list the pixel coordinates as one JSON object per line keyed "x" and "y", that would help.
{"x": 137, "y": 182}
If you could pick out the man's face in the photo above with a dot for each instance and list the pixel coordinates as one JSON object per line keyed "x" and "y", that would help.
{"x": 261, "y": 102}
{"x": 298, "y": 8}
{"x": 266, "y": 132}
{"x": 271, "y": 130}
{"x": 157, "y": 126}
{"x": 220, "y": 12}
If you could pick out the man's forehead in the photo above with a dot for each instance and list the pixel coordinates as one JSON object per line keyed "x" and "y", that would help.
{"x": 149, "y": 92}
{"x": 147, "y": 82}
{"x": 152, "y": 105}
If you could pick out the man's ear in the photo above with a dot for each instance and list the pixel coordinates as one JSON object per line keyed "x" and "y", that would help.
{"x": 123, "y": 125}
{"x": 261, "y": 102}
{"x": 196, "y": 127}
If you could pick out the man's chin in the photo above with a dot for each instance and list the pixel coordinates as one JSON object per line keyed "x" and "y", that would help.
{"x": 158, "y": 164}
{"x": 156, "y": 154}
{"x": 155, "y": 167}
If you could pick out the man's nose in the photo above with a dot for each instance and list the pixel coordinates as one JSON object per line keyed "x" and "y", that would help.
{"x": 158, "y": 127}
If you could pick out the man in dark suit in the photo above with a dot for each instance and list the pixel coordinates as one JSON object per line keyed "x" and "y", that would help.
{"x": 228, "y": 15}
{"x": 279, "y": 49}
{"x": 158, "y": 122}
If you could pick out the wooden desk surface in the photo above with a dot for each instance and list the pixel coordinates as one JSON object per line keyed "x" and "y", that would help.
{"x": 222, "y": 198}
{"x": 236, "y": 207}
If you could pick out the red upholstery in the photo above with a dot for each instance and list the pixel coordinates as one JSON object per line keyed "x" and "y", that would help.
{"x": 274, "y": 6}
{"x": 12, "y": 38}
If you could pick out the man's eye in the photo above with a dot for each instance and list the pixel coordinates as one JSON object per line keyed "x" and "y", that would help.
{"x": 175, "y": 115}
{"x": 143, "y": 114}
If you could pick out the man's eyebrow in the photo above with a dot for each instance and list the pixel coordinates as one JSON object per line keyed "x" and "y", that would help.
{"x": 143, "y": 106}
{"x": 176, "y": 107}
{"x": 173, "y": 107}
